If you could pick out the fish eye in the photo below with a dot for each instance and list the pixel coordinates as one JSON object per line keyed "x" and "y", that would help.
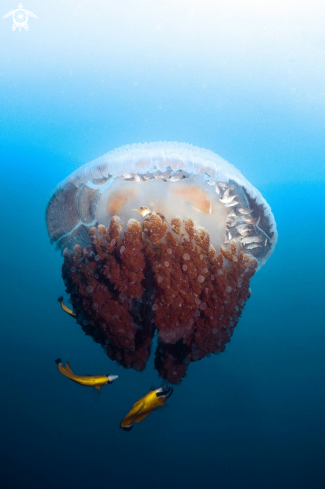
{"x": 164, "y": 391}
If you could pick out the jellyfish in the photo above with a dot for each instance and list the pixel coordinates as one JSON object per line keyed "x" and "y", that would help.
{"x": 159, "y": 238}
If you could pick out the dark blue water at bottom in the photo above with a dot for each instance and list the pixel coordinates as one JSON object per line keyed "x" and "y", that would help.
{"x": 251, "y": 417}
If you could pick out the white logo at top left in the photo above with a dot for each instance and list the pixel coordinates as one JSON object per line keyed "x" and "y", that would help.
{"x": 20, "y": 18}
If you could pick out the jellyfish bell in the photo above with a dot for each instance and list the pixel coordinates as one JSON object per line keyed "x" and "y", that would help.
{"x": 128, "y": 177}
{"x": 160, "y": 236}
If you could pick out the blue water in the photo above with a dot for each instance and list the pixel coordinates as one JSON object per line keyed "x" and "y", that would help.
{"x": 245, "y": 82}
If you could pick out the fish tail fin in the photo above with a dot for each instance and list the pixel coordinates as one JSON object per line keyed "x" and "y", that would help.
{"x": 58, "y": 361}
{"x": 60, "y": 299}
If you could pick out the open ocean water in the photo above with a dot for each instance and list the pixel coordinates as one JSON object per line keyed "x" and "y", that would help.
{"x": 245, "y": 80}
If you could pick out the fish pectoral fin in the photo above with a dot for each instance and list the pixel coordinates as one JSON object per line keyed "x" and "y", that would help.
{"x": 95, "y": 393}
{"x": 68, "y": 368}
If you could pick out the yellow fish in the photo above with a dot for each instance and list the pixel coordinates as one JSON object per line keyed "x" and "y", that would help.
{"x": 65, "y": 308}
{"x": 143, "y": 210}
{"x": 96, "y": 381}
{"x": 144, "y": 406}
